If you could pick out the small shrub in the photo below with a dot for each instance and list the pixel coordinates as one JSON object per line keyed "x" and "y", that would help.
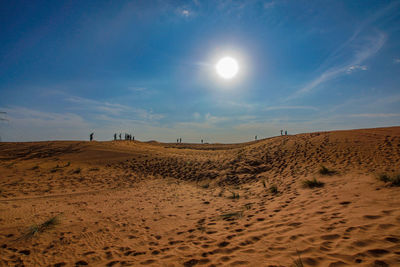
{"x": 205, "y": 186}
{"x": 312, "y": 183}
{"x": 238, "y": 214}
{"x": 393, "y": 180}
{"x": 234, "y": 195}
{"x": 273, "y": 189}
{"x": 384, "y": 178}
{"x": 35, "y": 228}
{"x": 325, "y": 171}
{"x": 298, "y": 262}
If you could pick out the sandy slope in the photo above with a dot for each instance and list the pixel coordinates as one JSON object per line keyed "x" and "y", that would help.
{"x": 133, "y": 203}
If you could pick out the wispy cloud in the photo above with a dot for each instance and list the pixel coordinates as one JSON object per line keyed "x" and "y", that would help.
{"x": 362, "y": 47}
{"x": 184, "y": 12}
{"x": 375, "y": 115}
{"x": 206, "y": 121}
{"x": 396, "y": 60}
{"x": 26, "y": 124}
{"x": 112, "y": 109}
{"x": 366, "y": 102}
{"x": 137, "y": 89}
{"x": 290, "y": 107}
{"x": 370, "y": 48}
{"x": 268, "y": 5}
{"x": 356, "y": 67}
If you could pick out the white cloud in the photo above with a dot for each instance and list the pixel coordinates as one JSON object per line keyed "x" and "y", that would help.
{"x": 112, "y": 109}
{"x": 369, "y": 49}
{"x": 290, "y": 107}
{"x": 396, "y": 60}
{"x": 137, "y": 89}
{"x": 209, "y": 121}
{"x": 268, "y": 5}
{"x": 196, "y": 115}
{"x": 27, "y": 124}
{"x": 376, "y": 115}
{"x": 184, "y": 12}
{"x": 356, "y": 67}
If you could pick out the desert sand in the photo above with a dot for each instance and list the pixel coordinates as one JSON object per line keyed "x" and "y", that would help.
{"x": 131, "y": 203}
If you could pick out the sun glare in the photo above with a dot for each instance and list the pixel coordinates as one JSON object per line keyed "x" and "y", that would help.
{"x": 227, "y": 67}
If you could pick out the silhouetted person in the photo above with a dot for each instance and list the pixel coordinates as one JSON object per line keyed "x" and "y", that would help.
{"x": 180, "y": 140}
{"x": 115, "y": 137}
{"x": 91, "y": 136}
{"x": 281, "y": 132}
{"x": 201, "y": 140}
{"x": 255, "y": 138}
{"x": 120, "y": 136}
{"x": 285, "y": 132}
{"x": 133, "y": 138}
{"x": 177, "y": 140}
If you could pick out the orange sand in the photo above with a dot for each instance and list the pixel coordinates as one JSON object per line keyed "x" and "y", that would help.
{"x": 131, "y": 203}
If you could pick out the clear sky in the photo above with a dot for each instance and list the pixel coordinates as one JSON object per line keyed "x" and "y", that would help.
{"x": 69, "y": 68}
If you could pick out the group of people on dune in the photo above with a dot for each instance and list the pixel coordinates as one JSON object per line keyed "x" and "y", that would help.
{"x": 127, "y": 137}
{"x": 130, "y": 137}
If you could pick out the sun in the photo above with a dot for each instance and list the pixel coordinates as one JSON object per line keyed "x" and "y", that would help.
{"x": 227, "y": 67}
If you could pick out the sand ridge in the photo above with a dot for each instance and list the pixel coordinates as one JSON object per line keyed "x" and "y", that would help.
{"x": 135, "y": 204}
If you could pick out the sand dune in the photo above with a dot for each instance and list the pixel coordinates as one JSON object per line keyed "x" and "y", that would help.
{"x": 127, "y": 203}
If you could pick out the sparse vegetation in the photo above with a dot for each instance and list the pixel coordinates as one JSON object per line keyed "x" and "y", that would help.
{"x": 234, "y": 195}
{"x": 35, "y": 167}
{"x": 325, "y": 171}
{"x": 39, "y": 228}
{"x": 247, "y": 206}
{"x": 273, "y": 189}
{"x": 77, "y": 171}
{"x": 298, "y": 262}
{"x": 393, "y": 180}
{"x": 263, "y": 182}
{"x": 93, "y": 169}
{"x": 312, "y": 183}
{"x": 205, "y": 186}
{"x": 237, "y": 214}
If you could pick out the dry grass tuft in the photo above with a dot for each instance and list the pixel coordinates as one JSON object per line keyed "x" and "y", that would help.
{"x": 312, "y": 183}
{"x": 234, "y": 195}
{"x": 39, "y": 228}
{"x": 273, "y": 189}
{"x": 325, "y": 171}
{"x": 392, "y": 180}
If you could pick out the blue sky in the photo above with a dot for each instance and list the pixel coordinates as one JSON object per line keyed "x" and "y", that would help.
{"x": 68, "y": 68}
